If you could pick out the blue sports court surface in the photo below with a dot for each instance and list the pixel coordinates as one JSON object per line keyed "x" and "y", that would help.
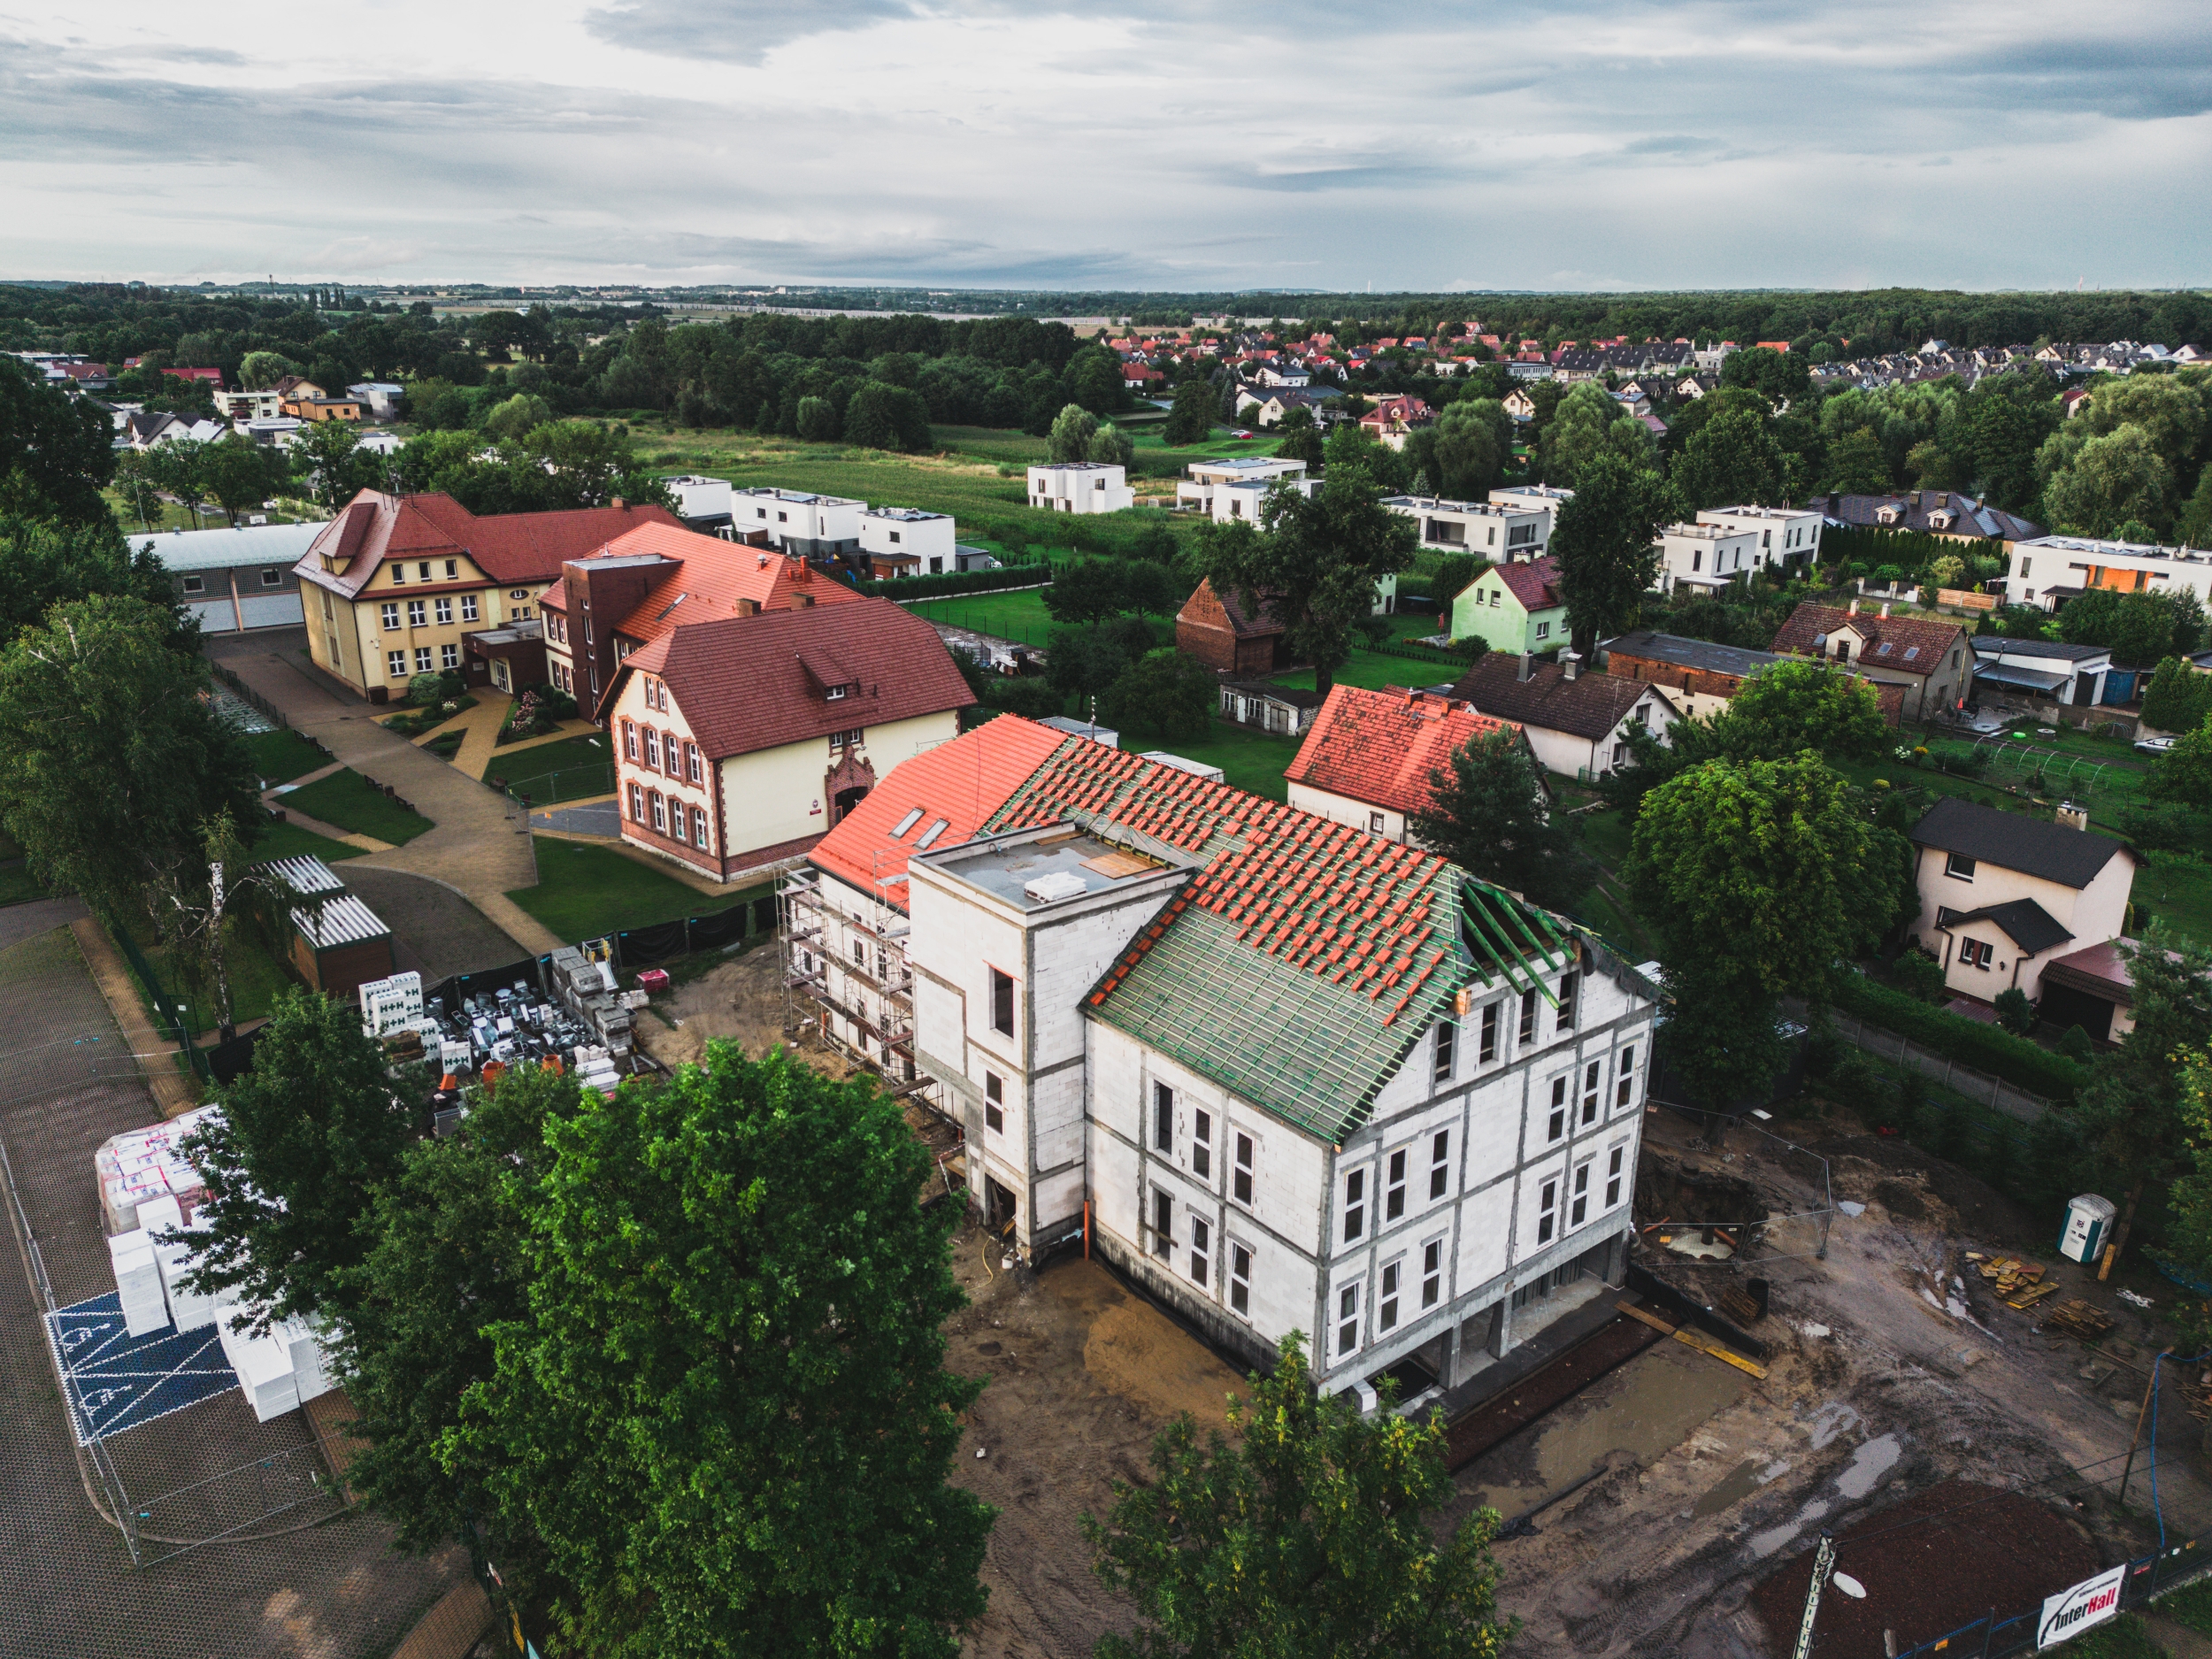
{"x": 116, "y": 1381}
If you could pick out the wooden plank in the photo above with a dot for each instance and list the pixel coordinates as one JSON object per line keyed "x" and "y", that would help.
{"x": 1697, "y": 1340}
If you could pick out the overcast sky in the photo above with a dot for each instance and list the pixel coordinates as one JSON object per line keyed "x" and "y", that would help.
{"x": 1159, "y": 143}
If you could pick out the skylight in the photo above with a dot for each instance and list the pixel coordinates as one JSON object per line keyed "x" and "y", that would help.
{"x": 930, "y": 835}
{"x": 907, "y": 823}
{"x": 1911, "y": 651}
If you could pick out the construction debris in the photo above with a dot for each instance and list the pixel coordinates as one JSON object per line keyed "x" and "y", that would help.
{"x": 2079, "y": 1318}
{"x": 1697, "y": 1340}
{"x": 2019, "y": 1283}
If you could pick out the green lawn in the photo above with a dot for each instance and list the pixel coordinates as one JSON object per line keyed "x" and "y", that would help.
{"x": 290, "y": 840}
{"x": 281, "y": 756}
{"x": 343, "y": 799}
{"x": 2178, "y": 890}
{"x": 1012, "y": 616}
{"x": 586, "y": 891}
{"x": 573, "y": 769}
{"x": 1374, "y": 669}
{"x": 1248, "y": 759}
{"x": 17, "y": 886}
{"x": 257, "y": 976}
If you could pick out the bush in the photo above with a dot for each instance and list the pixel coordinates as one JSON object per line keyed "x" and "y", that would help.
{"x": 1918, "y": 975}
{"x": 2014, "y": 1012}
{"x": 423, "y": 690}
{"x": 1985, "y": 1047}
{"x": 903, "y": 587}
{"x": 2076, "y": 1045}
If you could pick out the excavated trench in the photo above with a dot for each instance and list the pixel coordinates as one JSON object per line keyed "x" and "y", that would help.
{"x": 1695, "y": 1211}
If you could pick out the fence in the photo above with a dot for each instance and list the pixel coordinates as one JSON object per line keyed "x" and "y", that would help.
{"x": 247, "y": 693}
{"x": 1993, "y": 1091}
{"x": 593, "y": 780}
{"x": 173, "y": 1015}
{"x": 1991, "y": 1637}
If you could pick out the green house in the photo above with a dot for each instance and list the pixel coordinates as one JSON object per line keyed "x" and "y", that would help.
{"x": 1515, "y": 608}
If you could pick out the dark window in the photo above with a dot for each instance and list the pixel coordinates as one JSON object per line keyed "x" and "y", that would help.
{"x": 1163, "y": 1224}
{"x": 1547, "y": 1213}
{"x": 1431, "y": 1272}
{"x": 1387, "y": 1304}
{"x": 1581, "y": 1206}
{"x": 1163, "y": 1118}
{"x": 1613, "y": 1178}
{"x": 1960, "y": 865}
{"x": 1440, "y": 1163}
{"x": 1625, "y": 1091}
{"x": 1347, "y": 1318}
{"x": 1528, "y": 1017}
{"x": 1239, "y": 1278}
{"x": 1355, "y": 1205}
{"x": 1202, "y": 1144}
{"x": 1394, "y": 1189}
{"x": 1002, "y": 1002}
{"x": 1569, "y": 983}
{"x": 1201, "y": 1235}
{"x": 1240, "y": 1178}
{"x": 993, "y": 1102}
{"x": 1446, "y": 1042}
{"x": 1590, "y": 1095}
{"x": 1489, "y": 1050}
{"x": 1558, "y": 1126}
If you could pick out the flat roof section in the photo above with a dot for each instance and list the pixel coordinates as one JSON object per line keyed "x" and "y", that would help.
{"x": 1033, "y": 875}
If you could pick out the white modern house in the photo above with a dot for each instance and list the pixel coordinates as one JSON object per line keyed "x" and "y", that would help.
{"x": 1081, "y": 486}
{"x": 1286, "y": 1075}
{"x": 1487, "y": 529}
{"x": 1206, "y": 478}
{"x": 906, "y": 542}
{"x": 1705, "y": 555}
{"x": 381, "y": 398}
{"x": 1788, "y": 536}
{"x": 235, "y": 406}
{"x": 1546, "y": 498}
{"x": 2052, "y": 569}
{"x": 703, "y": 504}
{"x": 803, "y": 524}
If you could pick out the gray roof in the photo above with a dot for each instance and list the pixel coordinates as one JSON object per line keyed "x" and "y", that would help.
{"x": 220, "y": 549}
{"x": 2011, "y": 840}
{"x": 2004, "y": 645}
{"x": 1687, "y": 653}
{"x": 2027, "y": 923}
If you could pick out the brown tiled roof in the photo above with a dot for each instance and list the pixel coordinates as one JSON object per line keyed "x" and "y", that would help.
{"x": 1589, "y": 705}
{"x": 1532, "y": 583}
{"x": 710, "y": 576}
{"x": 515, "y": 547}
{"x": 1379, "y": 747}
{"x": 749, "y": 683}
{"x": 1912, "y": 645}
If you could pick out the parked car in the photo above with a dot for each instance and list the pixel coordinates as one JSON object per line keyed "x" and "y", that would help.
{"x": 1240, "y": 432}
{"x": 2153, "y": 745}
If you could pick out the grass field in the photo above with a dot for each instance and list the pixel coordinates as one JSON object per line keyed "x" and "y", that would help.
{"x": 2178, "y": 889}
{"x": 256, "y": 975}
{"x": 573, "y": 768}
{"x": 17, "y": 886}
{"x": 1248, "y": 759}
{"x": 290, "y": 840}
{"x": 1016, "y": 615}
{"x": 281, "y": 756}
{"x": 343, "y": 799}
{"x": 586, "y": 891}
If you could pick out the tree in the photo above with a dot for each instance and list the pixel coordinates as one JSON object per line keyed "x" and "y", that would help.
{"x": 55, "y": 451}
{"x": 1590, "y": 422}
{"x": 1755, "y": 875}
{"x": 2132, "y": 1108}
{"x": 727, "y": 1415}
{"x": 1190, "y": 419}
{"x": 883, "y": 417}
{"x": 2107, "y": 480}
{"x": 1490, "y": 814}
{"x": 1093, "y": 378}
{"x": 1731, "y": 459}
{"x": 2015, "y": 1012}
{"x": 2179, "y": 699}
{"x": 115, "y": 761}
{"x": 1088, "y": 590}
{"x": 45, "y": 563}
{"x": 305, "y": 1138}
{"x": 1302, "y": 438}
{"x": 1856, "y": 466}
{"x": 1073, "y": 430}
{"x": 180, "y": 468}
{"x": 1110, "y": 446}
{"x": 2195, "y": 525}
{"x": 2189, "y": 1235}
{"x": 817, "y": 420}
{"x": 1086, "y": 662}
{"x": 239, "y": 473}
{"x": 1605, "y": 544}
{"x": 1473, "y": 441}
{"x": 1315, "y": 566}
{"x": 1165, "y": 694}
{"x": 327, "y": 460}
{"x": 258, "y": 370}
{"x": 444, "y": 1264}
{"x": 1310, "y": 1536}
{"x": 197, "y": 898}
{"x": 2184, "y": 772}
{"x": 1803, "y": 705}
{"x": 517, "y": 418}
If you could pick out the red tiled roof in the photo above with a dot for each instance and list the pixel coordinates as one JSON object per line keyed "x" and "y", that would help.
{"x": 1532, "y": 583}
{"x": 963, "y": 782}
{"x": 1379, "y": 747}
{"x": 743, "y": 684}
{"x": 1927, "y": 642}
{"x": 516, "y": 547}
{"x": 712, "y": 576}
{"x": 1199, "y": 607}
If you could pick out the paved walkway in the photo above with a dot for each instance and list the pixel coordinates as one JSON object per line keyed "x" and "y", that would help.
{"x": 173, "y": 1091}
{"x": 476, "y": 844}
{"x": 602, "y": 820}
{"x": 20, "y": 922}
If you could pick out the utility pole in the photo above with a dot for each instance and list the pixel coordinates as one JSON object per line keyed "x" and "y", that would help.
{"x": 1823, "y": 1564}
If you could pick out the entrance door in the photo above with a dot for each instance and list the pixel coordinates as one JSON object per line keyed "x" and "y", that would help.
{"x": 998, "y": 1209}
{"x": 2085, "y": 689}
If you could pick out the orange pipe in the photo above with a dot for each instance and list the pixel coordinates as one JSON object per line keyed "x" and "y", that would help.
{"x": 1087, "y": 1229}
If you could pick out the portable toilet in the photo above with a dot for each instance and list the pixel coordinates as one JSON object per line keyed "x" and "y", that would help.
{"x": 2088, "y": 1223}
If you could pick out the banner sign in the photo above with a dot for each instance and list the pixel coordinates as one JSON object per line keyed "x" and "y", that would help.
{"x": 2071, "y": 1612}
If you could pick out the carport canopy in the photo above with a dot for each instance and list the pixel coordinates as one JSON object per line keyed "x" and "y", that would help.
{"x": 2024, "y": 678}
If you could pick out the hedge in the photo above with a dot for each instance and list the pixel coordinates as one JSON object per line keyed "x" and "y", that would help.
{"x": 1986, "y": 1047}
{"x": 958, "y": 582}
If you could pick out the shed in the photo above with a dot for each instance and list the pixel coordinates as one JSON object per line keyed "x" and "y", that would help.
{"x": 341, "y": 946}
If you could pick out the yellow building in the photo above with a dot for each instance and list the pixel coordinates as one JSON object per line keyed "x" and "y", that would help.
{"x": 394, "y": 584}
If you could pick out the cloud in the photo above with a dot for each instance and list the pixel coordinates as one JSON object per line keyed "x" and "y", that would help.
{"x": 739, "y": 31}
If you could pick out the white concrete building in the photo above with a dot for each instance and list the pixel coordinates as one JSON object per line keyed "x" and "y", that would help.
{"x": 804, "y": 526}
{"x": 1788, "y": 536}
{"x": 237, "y": 406}
{"x": 1705, "y": 556}
{"x": 1206, "y": 478}
{"x": 1278, "y": 1064}
{"x": 1081, "y": 486}
{"x": 1502, "y": 535}
{"x": 2052, "y": 569}
{"x": 703, "y": 504}
{"x": 381, "y": 398}
{"x": 1544, "y": 498}
{"x": 906, "y": 542}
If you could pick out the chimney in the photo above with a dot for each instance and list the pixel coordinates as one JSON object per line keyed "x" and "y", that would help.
{"x": 1570, "y": 663}
{"x": 1853, "y": 610}
{"x": 802, "y": 601}
{"x": 749, "y": 607}
{"x": 1885, "y": 610}
{"x": 621, "y": 505}
{"x": 1528, "y": 667}
{"x": 2072, "y": 817}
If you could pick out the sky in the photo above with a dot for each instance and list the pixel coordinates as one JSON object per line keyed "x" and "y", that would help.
{"x": 1159, "y": 144}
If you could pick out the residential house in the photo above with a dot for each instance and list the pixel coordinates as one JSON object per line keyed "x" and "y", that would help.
{"x": 1217, "y": 629}
{"x": 1938, "y": 512}
{"x": 142, "y": 431}
{"x": 1706, "y": 555}
{"x": 320, "y": 408}
{"x": 1695, "y": 386}
{"x": 381, "y": 398}
{"x": 1393, "y": 418}
{"x": 906, "y": 542}
{"x": 1367, "y": 756}
{"x": 1702, "y": 677}
{"x": 236, "y": 406}
{"x": 804, "y": 526}
{"x": 1079, "y": 487}
{"x": 2076, "y": 675}
{"x": 1283, "y": 374}
{"x": 2092, "y": 988}
{"x": 1142, "y": 379}
{"x": 235, "y": 580}
{"x": 1577, "y": 724}
{"x": 2048, "y": 571}
{"x": 393, "y": 584}
{"x": 1266, "y": 406}
{"x": 1789, "y": 537}
{"x": 650, "y": 582}
{"x": 1521, "y": 406}
{"x": 1156, "y": 1008}
{"x": 1279, "y": 710}
{"x": 739, "y": 742}
{"x": 1927, "y": 657}
{"x": 2002, "y": 895}
{"x": 708, "y": 504}
{"x": 1513, "y": 607}
{"x": 1487, "y": 529}
{"x": 1544, "y": 498}
{"x": 1203, "y": 478}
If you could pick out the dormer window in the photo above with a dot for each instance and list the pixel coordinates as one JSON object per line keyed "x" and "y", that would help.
{"x": 836, "y": 693}
{"x": 399, "y": 575}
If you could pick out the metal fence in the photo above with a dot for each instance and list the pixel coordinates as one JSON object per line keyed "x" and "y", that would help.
{"x": 1991, "y": 1637}
{"x": 245, "y": 692}
{"x": 173, "y": 1015}
{"x": 1978, "y": 1085}
{"x": 591, "y": 781}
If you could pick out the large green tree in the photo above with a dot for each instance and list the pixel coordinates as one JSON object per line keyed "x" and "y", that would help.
{"x": 1606, "y": 546}
{"x": 328, "y": 461}
{"x": 1165, "y": 694}
{"x": 1490, "y": 813}
{"x": 1730, "y": 460}
{"x": 1073, "y": 430}
{"x": 1191, "y": 421}
{"x": 2184, "y": 773}
{"x": 115, "y": 762}
{"x": 726, "y": 1413}
{"x": 304, "y": 1139}
{"x": 1473, "y": 444}
{"x": 1313, "y": 1536}
{"x": 2106, "y": 481}
{"x": 1856, "y": 466}
{"x": 1590, "y": 422}
{"x": 239, "y": 473}
{"x": 1798, "y": 705}
{"x": 45, "y": 562}
{"x": 55, "y": 451}
{"x": 1315, "y": 564}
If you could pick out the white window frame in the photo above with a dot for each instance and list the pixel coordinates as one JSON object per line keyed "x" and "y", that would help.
{"x": 443, "y": 611}
{"x": 1345, "y": 1320}
{"x": 1388, "y": 1285}
{"x": 1240, "y": 1255}
{"x": 1200, "y": 1267}
{"x": 390, "y": 616}
{"x": 1202, "y": 1144}
{"x": 468, "y": 612}
{"x": 1355, "y": 1205}
{"x": 1244, "y": 1167}
{"x": 1624, "y": 1079}
{"x": 1593, "y": 1079}
{"x": 1431, "y": 1272}
{"x": 396, "y": 664}
{"x": 416, "y": 612}
{"x": 1440, "y": 1165}
{"x": 422, "y": 659}
{"x": 1615, "y": 1174}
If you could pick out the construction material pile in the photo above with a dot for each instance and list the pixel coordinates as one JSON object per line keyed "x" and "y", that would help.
{"x": 2079, "y": 1318}
{"x": 2019, "y": 1283}
{"x": 143, "y": 1165}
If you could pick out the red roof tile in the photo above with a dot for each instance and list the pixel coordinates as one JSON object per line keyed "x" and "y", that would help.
{"x": 1916, "y": 644}
{"x": 713, "y": 575}
{"x": 516, "y": 547}
{"x": 1379, "y": 747}
{"x": 1534, "y": 583}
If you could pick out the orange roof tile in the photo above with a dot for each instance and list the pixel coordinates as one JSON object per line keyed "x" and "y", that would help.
{"x": 1379, "y": 747}
{"x": 712, "y": 577}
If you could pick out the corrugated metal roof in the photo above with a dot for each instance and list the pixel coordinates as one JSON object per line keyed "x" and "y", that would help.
{"x": 305, "y": 874}
{"x": 220, "y": 550}
{"x": 343, "y": 920}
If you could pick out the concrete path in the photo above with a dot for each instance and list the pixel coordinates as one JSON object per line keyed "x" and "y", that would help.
{"x": 476, "y": 845}
{"x": 599, "y": 819}
{"x": 172, "y": 1089}
{"x": 20, "y": 922}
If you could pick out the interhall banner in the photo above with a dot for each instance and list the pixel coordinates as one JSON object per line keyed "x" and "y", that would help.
{"x": 2071, "y": 1612}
